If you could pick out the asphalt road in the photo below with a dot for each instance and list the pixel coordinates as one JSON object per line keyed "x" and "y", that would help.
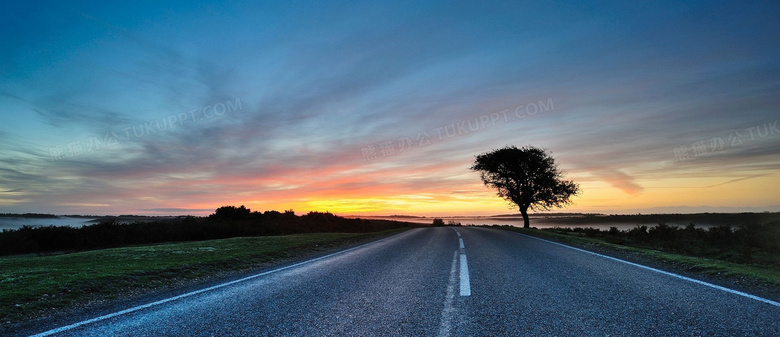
{"x": 450, "y": 282}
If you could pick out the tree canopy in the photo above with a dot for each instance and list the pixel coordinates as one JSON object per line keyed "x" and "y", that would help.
{"x": 527, "y": 177}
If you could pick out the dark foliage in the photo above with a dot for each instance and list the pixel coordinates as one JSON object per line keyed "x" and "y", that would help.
{"x": 28, "y": 215}
{"x": 745, "y": 244}
{"x": 680, "y": 219}
{"x": 226, "y": 222}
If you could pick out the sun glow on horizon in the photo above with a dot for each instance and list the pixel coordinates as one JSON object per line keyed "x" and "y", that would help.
{"x": 596, "y": 197}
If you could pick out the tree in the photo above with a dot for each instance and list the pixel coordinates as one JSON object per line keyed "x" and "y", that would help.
{"x": 231, "y": 212}
{"x": 526, "y": 177}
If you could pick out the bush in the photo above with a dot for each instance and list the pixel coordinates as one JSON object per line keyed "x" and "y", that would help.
{"x": 750, "y": 243}
{"x": 591, "y": 232}
{"x": 638, "y": 234}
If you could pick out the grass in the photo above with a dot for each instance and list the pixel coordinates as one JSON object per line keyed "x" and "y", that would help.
{"x": 761, "y": 273}
{"x": 32, "y": 286}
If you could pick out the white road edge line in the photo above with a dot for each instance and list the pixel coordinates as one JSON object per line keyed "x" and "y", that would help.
{"x": 465, "y": 284}
{"x": 221, "y": 285}
{"x": 736, "y": 292}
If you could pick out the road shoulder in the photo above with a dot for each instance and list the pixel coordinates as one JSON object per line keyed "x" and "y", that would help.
{"x": 746, "y": 284}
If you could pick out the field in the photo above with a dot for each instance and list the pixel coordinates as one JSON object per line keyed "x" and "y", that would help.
{"x": 36, "y": 286}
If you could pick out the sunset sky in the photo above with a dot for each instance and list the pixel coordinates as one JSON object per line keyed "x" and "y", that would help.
{"x": 144, "y": 107}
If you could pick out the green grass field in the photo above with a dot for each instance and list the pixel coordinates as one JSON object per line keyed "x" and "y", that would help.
{"x": 760, "y": 273}
{"x": 31, "y": 286}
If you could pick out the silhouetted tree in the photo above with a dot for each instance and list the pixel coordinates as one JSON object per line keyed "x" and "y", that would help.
{"x": 526, "y": 177}
{"x": 231, "y": 212}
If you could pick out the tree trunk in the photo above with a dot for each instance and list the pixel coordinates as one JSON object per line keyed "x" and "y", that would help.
{"x": 524, "y": 212}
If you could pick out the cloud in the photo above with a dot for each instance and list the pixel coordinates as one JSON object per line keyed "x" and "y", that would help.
{"x": 736, "y": 180}
{"x": 620, "y": 180}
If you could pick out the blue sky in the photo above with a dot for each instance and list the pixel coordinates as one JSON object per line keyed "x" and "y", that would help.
{"x": 380, "y": 107}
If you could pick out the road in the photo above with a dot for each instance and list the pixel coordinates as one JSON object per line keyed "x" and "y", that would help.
{"x": 449, "y": 282}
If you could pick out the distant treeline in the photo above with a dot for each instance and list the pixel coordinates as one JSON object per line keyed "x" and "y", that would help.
{"x": 733, "y": 219}
{"x": 747, "y": 243}
{"x": 226, "y": 222}
{"x": 28, "y": 215}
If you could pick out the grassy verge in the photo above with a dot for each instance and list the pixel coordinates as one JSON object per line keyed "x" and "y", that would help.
{"x": 38, "y": 285}
{"x": 759, "y": 273}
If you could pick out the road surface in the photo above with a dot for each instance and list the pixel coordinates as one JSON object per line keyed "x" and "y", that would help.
{"x": 448, "y": 281}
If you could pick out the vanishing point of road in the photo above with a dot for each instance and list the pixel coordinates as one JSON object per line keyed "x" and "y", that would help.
{"x": 448, "y": 281}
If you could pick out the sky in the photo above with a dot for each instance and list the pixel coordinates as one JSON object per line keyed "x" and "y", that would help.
{"x": 379, "y": 108}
